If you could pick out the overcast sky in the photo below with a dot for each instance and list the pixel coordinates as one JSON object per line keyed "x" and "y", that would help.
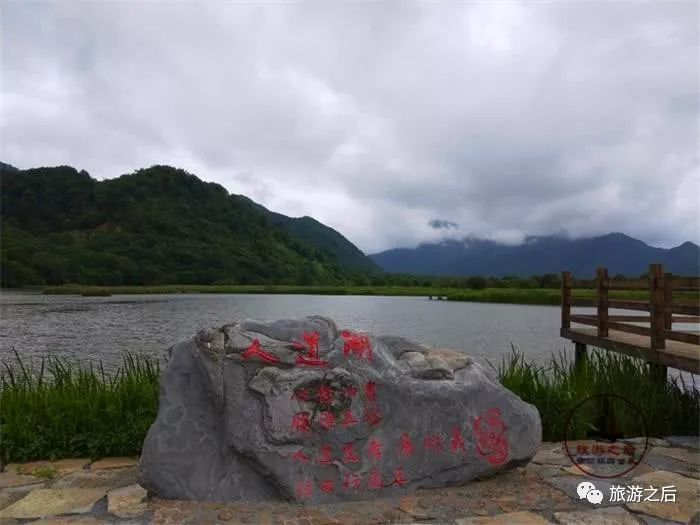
{"x": 393, "y": 122}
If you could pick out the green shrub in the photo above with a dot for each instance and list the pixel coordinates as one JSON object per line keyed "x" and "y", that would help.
{"x": 668, "y": 408}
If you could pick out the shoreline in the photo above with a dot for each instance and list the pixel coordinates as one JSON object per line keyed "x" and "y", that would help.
{"x": 531, "y": 296}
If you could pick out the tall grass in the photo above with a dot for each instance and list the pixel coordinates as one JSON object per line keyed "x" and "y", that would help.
{"x": 55, "y": 409}
{"x": 541, "y": 296}
{"x": 557, "y": 388}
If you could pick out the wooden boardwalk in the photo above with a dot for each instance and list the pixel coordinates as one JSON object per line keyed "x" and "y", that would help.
{"x": 658, "y": 343}
{"x": 683, "y": 356}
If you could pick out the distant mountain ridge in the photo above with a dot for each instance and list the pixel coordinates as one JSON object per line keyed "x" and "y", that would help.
{"x": 620, "y": 253}
{"x": 157, "y": 225}
{"x": 324, "y": 237}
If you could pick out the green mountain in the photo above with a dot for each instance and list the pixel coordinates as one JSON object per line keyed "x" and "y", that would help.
{"x": 157, "y": 225}
{"x": 310, "y": 230}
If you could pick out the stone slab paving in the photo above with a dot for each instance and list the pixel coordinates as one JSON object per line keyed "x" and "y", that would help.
{"x": 40, "y": 503}
{"x": 127, "y": 502}
{"x": 12, "y": 479}
{"x": 108, "y": 463}
{"x": 61, "y": 466}
{"x": 687, "y": 504}
{"x": 605, "y": 516}
{"x": 81, "y": 492}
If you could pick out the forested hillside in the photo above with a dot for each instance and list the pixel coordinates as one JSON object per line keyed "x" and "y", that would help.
{"x": 157, "y": 225}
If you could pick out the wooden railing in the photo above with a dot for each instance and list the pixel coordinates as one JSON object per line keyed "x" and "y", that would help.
{"x": 661, "y": 306}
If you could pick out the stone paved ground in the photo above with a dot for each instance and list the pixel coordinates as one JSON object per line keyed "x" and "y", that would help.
{"x": 82, "y": 492}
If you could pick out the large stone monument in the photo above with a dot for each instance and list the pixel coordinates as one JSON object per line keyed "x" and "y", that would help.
{"x": 299, "y": 410}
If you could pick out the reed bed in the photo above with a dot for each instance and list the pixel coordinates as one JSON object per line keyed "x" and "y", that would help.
{"x": 531, "y": 296}
{"x": 55, "y": 408}
{"x": 624, "y": 399}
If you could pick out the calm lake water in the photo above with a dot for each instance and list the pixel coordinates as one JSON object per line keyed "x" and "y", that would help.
{"x": 102, "y": 328}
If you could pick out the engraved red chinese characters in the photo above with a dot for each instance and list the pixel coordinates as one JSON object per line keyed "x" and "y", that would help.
{"x": 406, "y": 445}
{"x": 325, "y": 455}
{"x": 327, "y": 486}
{"x": 399, "y": 477}
{"x": 302, "y": 394}
{"x": 350, "y": 391}
{"x": 457, "y": 441}
{"x": 374, "y": 480}
{"x": 371, "y": 391}
{"x": 491, "y": 442}
{"x": 351, "y": 481}
{"x": 301, "y": 457}
{"x": 349, "y": 454}
{"x": 311, "y": 359}
{"x": 374, "y": 449}
{"x": 256, "y": 350}
{"x": 372, "y": 416}
{"x": 325, "y": 394}
{"x": 433, "y": 442}
{"x": 326, "y": 419}
{"x": 349, "y": 419}
{"x": 304, "y": 489}
{"x": 301, "y": 422}
{"x": 356, "y": 344}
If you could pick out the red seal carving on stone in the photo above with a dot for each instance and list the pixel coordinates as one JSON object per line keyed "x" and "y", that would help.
{"x": 491, "y": 442}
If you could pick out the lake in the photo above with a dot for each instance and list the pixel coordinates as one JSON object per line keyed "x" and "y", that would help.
{"x": 102, "y": 328}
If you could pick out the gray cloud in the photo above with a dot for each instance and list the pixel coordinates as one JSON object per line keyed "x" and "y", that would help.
{"x": 509, "y": 118}
{"x": 442, "y": 224}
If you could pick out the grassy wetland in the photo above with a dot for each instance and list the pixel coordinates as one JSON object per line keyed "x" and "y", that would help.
{"x": 54, "y": 408}
{"x": 534, "y": 296}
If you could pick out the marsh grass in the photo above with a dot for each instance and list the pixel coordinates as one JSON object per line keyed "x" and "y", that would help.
{"x": 556, "y": 388}
{"x": 56, "y": 409}
{"x": 538, "y": 296}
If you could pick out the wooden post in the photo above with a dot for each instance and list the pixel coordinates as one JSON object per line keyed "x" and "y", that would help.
{"x": 580, "y": 356}
{"x": 657, "y": 310}
{"x": 602, "y": 296}
{"x": 658, "y": 372}
{"x": 565, "y": 301}
{"x": 658, "y": 317}
{"x": 668, "y": 300}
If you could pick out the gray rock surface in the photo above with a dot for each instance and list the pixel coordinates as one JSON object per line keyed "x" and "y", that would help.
{"x": 298, "y": 410}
